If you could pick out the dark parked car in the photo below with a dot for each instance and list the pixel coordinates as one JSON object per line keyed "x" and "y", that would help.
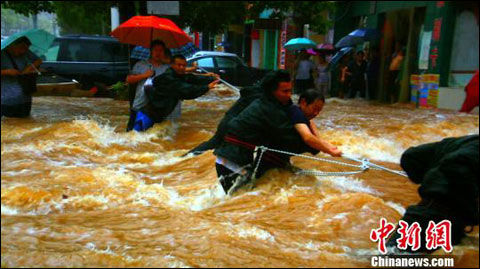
{"x": 88, "y": 59}
{"x": 229, "y": 66}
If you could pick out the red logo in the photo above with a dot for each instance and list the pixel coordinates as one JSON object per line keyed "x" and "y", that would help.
{"x": 381, "y": 234}
{"x": 409, "y": 236}
{"x": 439, "y": 235}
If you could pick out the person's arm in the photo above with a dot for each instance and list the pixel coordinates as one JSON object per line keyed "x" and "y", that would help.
{"x": 315, "y": 142}
{"x": 183, "y": 90}
{"x": 10, "y": 72}
{"x": 32, "y": 69}
{"x": 132, "y": 79}
{"x": 192, "y": 68}
{"x": 200, "y": 79}
{"x": 141, "y": 71}
{"x": 314, "y": 128}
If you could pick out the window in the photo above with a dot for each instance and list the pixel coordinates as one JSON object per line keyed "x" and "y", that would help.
{"x": 120, "y": 52}
{"x": 224, "y": 62}
{"x": 206, "y": 62}
{"x": 87, "y": 51}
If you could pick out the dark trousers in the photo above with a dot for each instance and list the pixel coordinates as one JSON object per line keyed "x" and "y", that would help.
{"x": 226, "y": 176}
{"x": 393, "y": 86}
{"x": 301, "y": 85}
{"x": 212, "y": 143}
{"x": 372, "y": 87}
{"x": 17, "y": 111}
{"x": 355, "y": 86}
{"x": 131, "y": 120}
{"x": 132, "y": 90}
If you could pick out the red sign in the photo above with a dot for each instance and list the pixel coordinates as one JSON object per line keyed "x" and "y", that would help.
{"x": 437, "y": 27}
{"x": 255, "y": 35}
{"x": 439, "y": 235}
{"x": 381, "y": 234}
{"x": 434, "y": 56}
{"x": 409, "y": 236}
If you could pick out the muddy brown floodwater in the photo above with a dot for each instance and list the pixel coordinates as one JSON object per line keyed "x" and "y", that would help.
{"x": 78, "y": 191}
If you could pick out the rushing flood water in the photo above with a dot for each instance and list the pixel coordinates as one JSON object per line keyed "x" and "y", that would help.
{"x": 78, "y": 191}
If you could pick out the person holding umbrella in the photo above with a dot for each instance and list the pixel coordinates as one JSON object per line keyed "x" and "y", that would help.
{"x": 167, "y": 92}
{"x": 303, "y": 73}
{"x": 143, "y": 70}
{"x": 19, "y": 67}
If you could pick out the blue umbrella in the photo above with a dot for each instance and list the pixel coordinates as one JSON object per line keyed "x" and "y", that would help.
{"x": 357, "y": 37}
{"x": 300, "y": 44}
{"x": 338, "y": 56}
{"x": 40, "y": 39}
{"x": 141, "y": 53}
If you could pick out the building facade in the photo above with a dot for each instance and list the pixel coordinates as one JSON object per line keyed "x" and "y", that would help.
{"x": 440, "y": 37}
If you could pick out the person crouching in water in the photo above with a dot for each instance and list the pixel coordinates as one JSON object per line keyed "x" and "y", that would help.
{"x": 167, "y": 91}
{"x": 310, "y": 104}
{"x": 265, "y": 122}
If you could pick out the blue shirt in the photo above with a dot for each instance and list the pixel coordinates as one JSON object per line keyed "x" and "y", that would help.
{"x": 12, "y": 93}
{"x": 297, "y": 116}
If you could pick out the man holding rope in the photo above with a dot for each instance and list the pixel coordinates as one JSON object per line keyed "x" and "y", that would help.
{"x": 167, "y": 91}
{"x": 265, "y": 122}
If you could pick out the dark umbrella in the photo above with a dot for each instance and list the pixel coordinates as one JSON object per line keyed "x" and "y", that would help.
{"x": 338, "y": 56}
{"x": 357, "y": 37}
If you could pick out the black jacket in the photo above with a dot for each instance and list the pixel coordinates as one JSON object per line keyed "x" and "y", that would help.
{"x": 447, "y": 172}
{"x": 169, "y": 88}
{"x": 264, "y": 122}
{"x": 247, "y": 96}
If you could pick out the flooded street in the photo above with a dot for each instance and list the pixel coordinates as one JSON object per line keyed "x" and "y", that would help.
{"x": 78, "y": 191}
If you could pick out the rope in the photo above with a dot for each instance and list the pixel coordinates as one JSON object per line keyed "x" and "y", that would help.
{"x": 365, "y": 164}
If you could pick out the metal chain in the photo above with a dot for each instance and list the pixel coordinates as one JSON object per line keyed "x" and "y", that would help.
{"x": 327, "y": 174}
{"x": 365, "y": 163}
{"x": 312, "y": 158}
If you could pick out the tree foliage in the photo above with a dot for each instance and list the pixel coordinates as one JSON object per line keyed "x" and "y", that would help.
{"x": 211, "y": 16}
{"x": 313, "y": 13}
{"x": 28, "y": 8}
{"x": 92, "y": 17}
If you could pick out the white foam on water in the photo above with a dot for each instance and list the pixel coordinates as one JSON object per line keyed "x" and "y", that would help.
{"x": 400, "y": 209}
{"x": 27, "y": 132}
{"x": 18, "y": 173}
{"x": 346, "y": 184}
{"x": 8, "y": 211}
{"x": 245, "y": 231}
{"x": 380, "y": 149}
{"x": 105, "y": 135}
{"x": 340, "y": 216}
{"x": 175, "y": 263}
{"x": 283, "y": 196}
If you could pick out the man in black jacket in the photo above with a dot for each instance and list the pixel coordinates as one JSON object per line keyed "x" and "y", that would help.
{"x": 265, "y": 122}
{"x": 247, "y": 96}
{"x": 447, "y": 172}
{"x": 168, "y": 90}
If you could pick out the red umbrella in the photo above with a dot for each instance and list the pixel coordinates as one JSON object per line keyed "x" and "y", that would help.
{"x": 141, "y": 30}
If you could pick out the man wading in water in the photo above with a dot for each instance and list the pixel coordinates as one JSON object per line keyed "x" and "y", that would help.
{"x": 265, "y": 122}
{"x": 169, "y": 88}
